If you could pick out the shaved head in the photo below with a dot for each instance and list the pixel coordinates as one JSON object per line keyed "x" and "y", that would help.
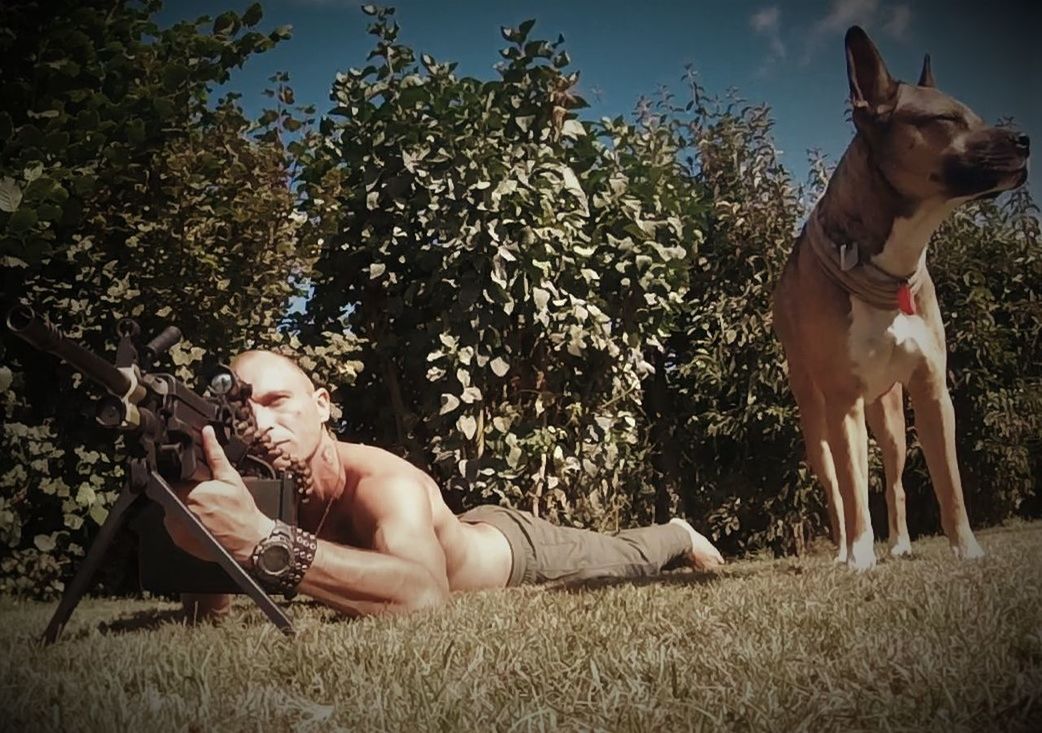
{"x": 269, "y": 357}
{"x": 284, "y": 400}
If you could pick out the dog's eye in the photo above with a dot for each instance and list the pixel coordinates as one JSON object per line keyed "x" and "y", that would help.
{"x": 937, "y": 122}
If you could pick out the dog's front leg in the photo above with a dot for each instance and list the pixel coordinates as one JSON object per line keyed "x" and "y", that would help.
{"x": 848, "y": 441}
{"x": 886, "y": 421}
{"x": 935, "y": 426}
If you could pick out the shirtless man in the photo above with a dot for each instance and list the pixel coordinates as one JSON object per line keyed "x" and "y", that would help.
{"x": 386, "y": 541}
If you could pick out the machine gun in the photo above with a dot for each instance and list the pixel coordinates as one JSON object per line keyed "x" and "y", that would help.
{"x": 163, "y": 421}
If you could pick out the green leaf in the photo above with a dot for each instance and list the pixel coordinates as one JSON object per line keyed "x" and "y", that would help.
{"x": 174, "y": 75}
{"x": 253, "y": 14}
{"x": 10, "y": 194}
{"x": 48, "y": 212}
{"x": 573, "y": 129}
{"x": 467, "y": 425}
{"x": 85, "y": 496}
{"x": 98, "y": 513}
{"x": 226, "y": 24}
{"x": 448, "y": 404}
{"x": 22, "y": 221}
{"x": 163, "y": 107}
{"x": 44, "y": 542}
{"x": 499, "y": 366}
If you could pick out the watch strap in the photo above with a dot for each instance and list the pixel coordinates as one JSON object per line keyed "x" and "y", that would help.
{"x": 303, "y": 546}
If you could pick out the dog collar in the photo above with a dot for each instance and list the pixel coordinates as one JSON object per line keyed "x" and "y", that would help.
{"x": 868, "y": 281}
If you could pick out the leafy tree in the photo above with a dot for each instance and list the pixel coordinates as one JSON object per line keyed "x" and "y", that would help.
{"x": 507, "y": 267}
{"x": 123, "y": 194}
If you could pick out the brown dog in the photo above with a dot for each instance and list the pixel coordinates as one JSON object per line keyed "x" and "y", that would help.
{"x": 856, "y": 310}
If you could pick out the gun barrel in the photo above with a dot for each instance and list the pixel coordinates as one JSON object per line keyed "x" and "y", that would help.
{"x": 23, "y": 321}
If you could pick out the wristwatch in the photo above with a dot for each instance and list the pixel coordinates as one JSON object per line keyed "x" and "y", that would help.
{"x": 279, "y": 561}
{"x": 272, "y": 558}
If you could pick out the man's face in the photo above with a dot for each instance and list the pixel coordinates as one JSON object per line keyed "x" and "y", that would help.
{"x": 285, "y": 401}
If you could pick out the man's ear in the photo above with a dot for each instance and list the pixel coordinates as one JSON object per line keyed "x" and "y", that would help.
{"x": 322, "y": 402}
{"x": 872, "y": 89}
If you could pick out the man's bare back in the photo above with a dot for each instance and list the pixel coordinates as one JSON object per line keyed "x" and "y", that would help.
{"x": 477, "y": 556}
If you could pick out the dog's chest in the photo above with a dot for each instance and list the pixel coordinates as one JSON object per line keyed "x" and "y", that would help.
{"x": 886, "y": 346}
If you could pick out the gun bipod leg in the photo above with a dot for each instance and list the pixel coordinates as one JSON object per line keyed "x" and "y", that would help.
{"x": 81, "y": 581}
{"x": 160, "y": 491}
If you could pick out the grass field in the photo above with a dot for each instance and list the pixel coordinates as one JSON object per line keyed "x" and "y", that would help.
{"x": 926, "y": 643}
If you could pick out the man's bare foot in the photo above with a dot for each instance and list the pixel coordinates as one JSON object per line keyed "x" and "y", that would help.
{"x": 703, "y": 556}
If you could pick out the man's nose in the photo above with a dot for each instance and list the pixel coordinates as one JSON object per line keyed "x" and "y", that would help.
{"x": 1023, "y": 143}
{"x": 261, "y": 416}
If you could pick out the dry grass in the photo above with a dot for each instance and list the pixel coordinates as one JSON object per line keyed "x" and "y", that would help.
{"x": 926, "y": 643}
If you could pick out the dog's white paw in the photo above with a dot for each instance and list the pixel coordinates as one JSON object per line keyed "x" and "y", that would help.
{"x": 901, "y": 548}
{"x": 861, "y": 554}
{"x": 967, "y": 549}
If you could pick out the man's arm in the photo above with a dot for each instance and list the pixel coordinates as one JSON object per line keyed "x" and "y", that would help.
{"x": 405, "y": 568}
{"x": 351, "y": 580}
{"x": 364, "y": 582}
{"x": 393, "y": 514}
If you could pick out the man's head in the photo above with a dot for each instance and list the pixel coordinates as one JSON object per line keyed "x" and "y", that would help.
{"x": 285, "y": 401}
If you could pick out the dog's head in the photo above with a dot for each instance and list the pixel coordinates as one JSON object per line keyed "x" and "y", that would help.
{"x": 927, "y": 144}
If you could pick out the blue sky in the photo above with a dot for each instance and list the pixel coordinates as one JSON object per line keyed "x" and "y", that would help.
{"x": 786, "y": 54}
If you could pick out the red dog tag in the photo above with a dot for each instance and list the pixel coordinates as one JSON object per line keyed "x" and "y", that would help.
{"x": 905, "y": 300}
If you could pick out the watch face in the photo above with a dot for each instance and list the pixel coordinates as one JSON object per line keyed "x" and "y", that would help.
{"x": 274, "y": 559}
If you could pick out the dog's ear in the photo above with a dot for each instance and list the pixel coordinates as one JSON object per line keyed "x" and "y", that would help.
{"x": 926, "y": 76}
{"x": 872, "y": 89}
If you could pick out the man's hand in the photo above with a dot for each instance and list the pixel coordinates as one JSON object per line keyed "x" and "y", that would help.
{"x": 225, "y": 507}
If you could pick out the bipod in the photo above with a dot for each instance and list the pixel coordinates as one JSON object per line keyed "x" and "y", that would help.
{"x": 159, "y": 491}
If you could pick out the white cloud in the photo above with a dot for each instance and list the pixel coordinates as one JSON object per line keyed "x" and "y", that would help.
{"x": 766, "y": 22}
{"x": 893, "y": 20}
{"x": 898, "y": 23}
{"x": 845, "y": 13}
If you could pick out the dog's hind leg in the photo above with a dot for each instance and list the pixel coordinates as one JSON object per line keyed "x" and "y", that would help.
{"x": 819, "y": 456}
{"x": 935, "y": 427}
{"x": 886, "y": 421}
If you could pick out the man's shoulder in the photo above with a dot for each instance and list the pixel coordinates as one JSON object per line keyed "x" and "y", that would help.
{"x": 369, "y": 459}
{"x": 379, "y": 470}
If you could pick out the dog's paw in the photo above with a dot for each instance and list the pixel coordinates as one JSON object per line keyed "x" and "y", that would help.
{"x": 967, "y": 549}
{"x": 901, "y": 548}
{"x": 861, "y": 555}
